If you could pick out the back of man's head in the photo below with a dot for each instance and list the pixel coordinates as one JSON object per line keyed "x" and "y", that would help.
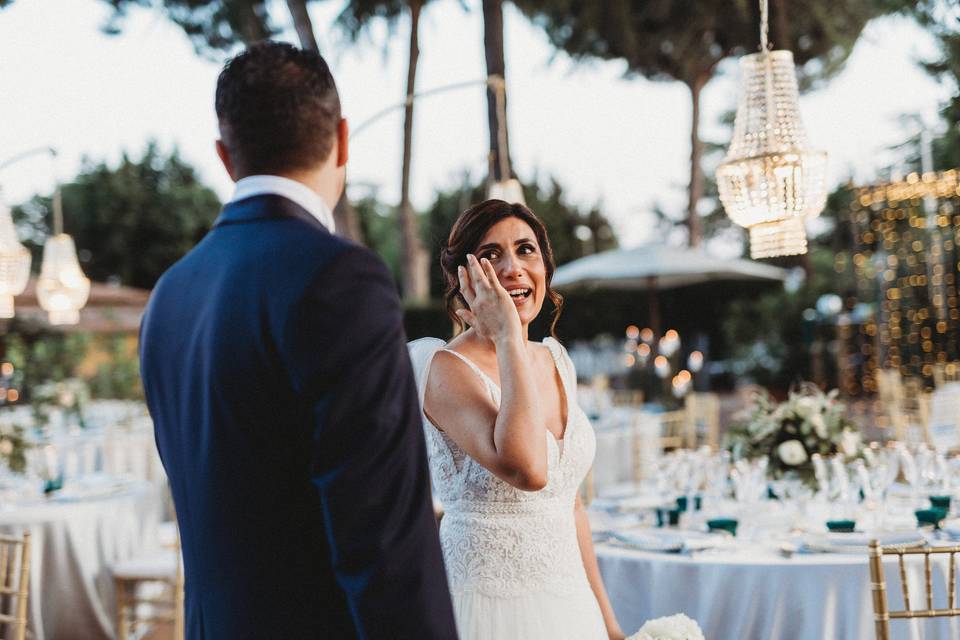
{"x": 278, "y": 110}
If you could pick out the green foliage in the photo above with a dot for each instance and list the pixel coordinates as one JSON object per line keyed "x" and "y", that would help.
{"x": 118, "y": 378}
{"x": 378, "y": 224}
{"x": 685, "y": 40}
{"x": 213, "y": 26}
{"x": 788, "y": 434}
{"x": 40, "y": 358}
{"x": 130, "y": 222}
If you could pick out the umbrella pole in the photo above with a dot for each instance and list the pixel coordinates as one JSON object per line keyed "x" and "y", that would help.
{"x": 653, "y": 305}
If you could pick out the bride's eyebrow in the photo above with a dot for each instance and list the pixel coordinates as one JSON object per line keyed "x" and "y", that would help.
{"x": 489, "y": 245}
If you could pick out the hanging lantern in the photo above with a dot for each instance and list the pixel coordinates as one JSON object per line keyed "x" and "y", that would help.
{"x": 769, "y": 181}
{"x": 14, "y": 263}
{"x": 62, "y": 289}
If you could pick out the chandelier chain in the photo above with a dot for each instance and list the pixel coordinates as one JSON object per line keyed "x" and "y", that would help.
{"x": 764, "y": 26}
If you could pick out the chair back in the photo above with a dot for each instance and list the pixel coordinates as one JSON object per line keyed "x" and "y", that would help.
{"x": 14, "y": 584}
{"x": 882, "y": 613}
{"x": 703, "y": 415}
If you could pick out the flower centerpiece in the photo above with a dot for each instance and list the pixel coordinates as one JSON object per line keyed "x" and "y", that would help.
{"x": 13, "y": 447}
{"x": 809, "y": 422}
{"x": 65, "y": 397}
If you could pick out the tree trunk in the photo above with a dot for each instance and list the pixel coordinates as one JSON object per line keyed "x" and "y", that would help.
{"x": 696, "y": 164}
{"x": 780, "y": 34}
{"x": 253, "y": 22}
{"x": 496, "y": 65}
{"x": 303, "y": 25}
{"x": 414, "y": 266}
{"x": 344, "y": 215}
{"x": 346, "y": 219}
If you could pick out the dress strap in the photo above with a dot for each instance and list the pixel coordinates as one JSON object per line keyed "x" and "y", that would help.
{"x": 487, "y": 380}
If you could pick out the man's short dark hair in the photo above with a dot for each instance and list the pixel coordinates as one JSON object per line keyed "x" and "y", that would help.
{"x": 278, "y": 109}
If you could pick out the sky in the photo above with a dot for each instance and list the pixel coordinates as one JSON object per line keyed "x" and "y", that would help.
{"x": 619, "y": 142}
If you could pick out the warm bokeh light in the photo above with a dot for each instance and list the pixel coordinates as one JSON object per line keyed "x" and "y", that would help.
{"x": 633, "y": 332}
{"x": 6, "y": 369}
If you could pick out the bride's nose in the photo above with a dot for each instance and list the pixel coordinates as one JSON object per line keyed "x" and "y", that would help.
{"x": 509, "y": 266}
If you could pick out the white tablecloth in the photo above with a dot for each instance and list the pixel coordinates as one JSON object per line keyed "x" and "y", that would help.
{"x": 74, "y": 543}
{"x": 762, "y": 595}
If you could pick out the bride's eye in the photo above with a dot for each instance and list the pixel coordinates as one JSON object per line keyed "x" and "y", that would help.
{"x": 490, "y": 255}
{"x": 527, "y": 249}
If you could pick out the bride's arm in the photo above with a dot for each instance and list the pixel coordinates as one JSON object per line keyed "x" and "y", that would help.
{"x": 509, "y": 441}
{"x": 593, "y": 571}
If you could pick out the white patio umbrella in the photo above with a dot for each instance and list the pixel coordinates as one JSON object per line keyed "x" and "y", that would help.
{"x": 657, "y": 267}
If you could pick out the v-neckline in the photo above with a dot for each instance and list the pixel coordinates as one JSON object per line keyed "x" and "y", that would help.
{"x": 563, "y": 390}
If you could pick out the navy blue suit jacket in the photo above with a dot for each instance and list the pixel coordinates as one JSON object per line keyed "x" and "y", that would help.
{"x": 274, "y": 363}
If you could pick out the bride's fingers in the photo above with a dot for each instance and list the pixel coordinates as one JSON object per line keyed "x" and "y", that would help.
{"x": 477, "y": 276}
{"x": 491, "y": 274}
{"x": 466, "y": 316}
{"x": 466, "y": 286}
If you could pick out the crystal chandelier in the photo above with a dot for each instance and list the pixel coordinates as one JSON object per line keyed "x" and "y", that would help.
{"x": 14, "y": 263}
{"x": 769, "y": 181}
{"x": 62, "y": 289}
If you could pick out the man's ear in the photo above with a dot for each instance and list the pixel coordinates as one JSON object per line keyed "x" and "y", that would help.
{"x": 343, "y": 140}
{"x": 225, "y": 159}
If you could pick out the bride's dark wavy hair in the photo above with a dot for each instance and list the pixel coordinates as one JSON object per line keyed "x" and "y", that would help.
{"x": 465, "y": 237}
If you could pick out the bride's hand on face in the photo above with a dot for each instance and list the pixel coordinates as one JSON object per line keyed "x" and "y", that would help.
{"x": 492, "y": 313}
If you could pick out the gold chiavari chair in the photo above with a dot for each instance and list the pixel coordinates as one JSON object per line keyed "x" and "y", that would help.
{"x": 882, "y": 613}
{"x": 14, "y": 585}
{"x": 703, "y": 414}
{"x": 626, "y": 397}
{"x": 135, "y": 609}
{"x": 676, "y": 432}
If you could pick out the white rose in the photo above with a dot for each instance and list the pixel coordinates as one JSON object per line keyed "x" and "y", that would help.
{"x": 792, "y": 452}
{"x": 805, "y": 406}
{"x": 6, "y": 447}
{"x": 850, "y": 442}
{"x": 819, "y": 425}
{"x": 675, "y": 627}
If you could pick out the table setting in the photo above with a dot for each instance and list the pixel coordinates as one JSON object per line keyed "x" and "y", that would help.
{"x": 769, "y": 537}
{"x": 91, "y": 493}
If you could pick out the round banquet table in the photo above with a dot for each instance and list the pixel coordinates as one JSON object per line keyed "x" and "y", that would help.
{"x": 757, "y": 593}
{"x": 74, "y": 542}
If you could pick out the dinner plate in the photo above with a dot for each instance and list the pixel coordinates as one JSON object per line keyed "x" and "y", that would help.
{"x": 859, "y": 541}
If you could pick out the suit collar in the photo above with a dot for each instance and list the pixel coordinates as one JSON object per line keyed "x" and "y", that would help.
{"x": 264, "y": 207}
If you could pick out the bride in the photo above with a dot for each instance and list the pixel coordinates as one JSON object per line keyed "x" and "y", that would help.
{"x": 508, "y": 444}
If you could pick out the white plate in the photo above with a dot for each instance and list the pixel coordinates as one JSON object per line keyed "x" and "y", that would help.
{"x": 666, "y": 540}
{"x": 859, "y": 541}
{"x": 952, "y": 528}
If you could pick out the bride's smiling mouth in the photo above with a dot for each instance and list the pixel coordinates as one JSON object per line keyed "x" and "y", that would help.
{"x": 520, "y": 294}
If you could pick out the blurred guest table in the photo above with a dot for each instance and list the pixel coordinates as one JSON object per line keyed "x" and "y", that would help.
{"x": 784, "y": 574}
{"x": 756, "y": 592}
{"x": 77, "y": 534}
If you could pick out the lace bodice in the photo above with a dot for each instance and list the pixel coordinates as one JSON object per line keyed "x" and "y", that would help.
{"x": 496, "y": 538}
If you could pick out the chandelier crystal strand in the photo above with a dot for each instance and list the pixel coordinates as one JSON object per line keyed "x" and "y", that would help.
{"x": 769, "y": 176}
{"x": 14, "y": 263}
{"x": 62, "y": 288}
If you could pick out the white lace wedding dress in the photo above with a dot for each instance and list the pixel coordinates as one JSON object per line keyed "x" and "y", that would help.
{"x": 512, "y": 557}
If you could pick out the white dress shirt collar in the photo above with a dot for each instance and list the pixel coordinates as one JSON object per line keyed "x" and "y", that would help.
{"x": 290, "y": 189}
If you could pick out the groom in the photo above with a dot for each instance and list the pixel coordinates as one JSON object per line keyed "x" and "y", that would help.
{"x": 275, "y": 369}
